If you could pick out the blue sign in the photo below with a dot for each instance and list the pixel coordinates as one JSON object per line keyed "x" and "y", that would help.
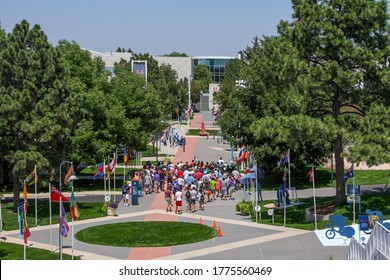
{"x": 363, "y": 222}
{"x": 134, "y": 193}
{"x": 350, "y": 190}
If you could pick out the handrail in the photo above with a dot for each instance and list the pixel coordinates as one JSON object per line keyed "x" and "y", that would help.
{"x": 377, "y": 247}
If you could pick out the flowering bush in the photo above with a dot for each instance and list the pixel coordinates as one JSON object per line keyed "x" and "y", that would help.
{"x": 109, "y": 202}
{"x": 113, "y": 205}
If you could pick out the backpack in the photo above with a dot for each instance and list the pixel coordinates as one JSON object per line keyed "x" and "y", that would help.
{"x": 187, "y": 194}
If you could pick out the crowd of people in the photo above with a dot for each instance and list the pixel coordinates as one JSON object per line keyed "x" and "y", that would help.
{"x": 191, "y": 184}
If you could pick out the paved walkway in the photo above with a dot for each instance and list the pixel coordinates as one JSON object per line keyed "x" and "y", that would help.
{"x": 242, "y": 239}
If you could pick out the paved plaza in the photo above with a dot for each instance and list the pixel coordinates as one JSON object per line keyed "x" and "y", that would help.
{"x": 242, "y": 239}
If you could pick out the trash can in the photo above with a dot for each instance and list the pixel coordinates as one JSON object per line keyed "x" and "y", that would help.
{"x": 134, "y": 195}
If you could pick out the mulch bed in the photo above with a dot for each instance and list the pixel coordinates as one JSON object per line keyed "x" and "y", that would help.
{"x": 324, "y": 209}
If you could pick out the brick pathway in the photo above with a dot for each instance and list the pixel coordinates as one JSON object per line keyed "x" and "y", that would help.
{"x": 147, "y": 253}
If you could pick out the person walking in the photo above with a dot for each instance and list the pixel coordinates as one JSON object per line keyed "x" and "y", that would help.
{"x": 179, "y": 203}
{"x": 125, "y": 194}
{"x": 168, "y": 199}
{"x": 148, "y": 183}
{"x": 194, "y": 196}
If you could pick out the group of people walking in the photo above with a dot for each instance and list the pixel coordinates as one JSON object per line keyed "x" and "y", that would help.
{"x": 194, "y": 184}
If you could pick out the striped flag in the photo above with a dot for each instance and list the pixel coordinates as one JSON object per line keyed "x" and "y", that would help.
{"x": 25, "y": 196}
{"x": 125, "y": 156}
{"x": 32, "y": 177}
{"x": 26, "y": 231}
{"x": 74, "y": 210}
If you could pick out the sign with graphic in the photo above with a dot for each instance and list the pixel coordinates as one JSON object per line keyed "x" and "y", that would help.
{"x": 350, "y": 189}
{"x": 363, "y": 222}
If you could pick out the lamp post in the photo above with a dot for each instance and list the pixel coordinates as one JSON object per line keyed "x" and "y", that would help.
{"x": 72, "y": 177}
{"x": 189, "y": 100}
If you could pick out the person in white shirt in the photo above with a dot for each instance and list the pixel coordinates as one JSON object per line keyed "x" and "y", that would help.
{"x": 221, "y": 162}
{"x": 180, "y": 181}
{"x": 178, "y": 199}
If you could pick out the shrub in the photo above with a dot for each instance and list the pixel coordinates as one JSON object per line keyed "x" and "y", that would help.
{"x": 244, "y": 207}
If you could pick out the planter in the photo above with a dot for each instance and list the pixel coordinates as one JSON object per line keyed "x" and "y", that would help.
{"x": 309, "y": 216}
{"x": 111, "y": 211}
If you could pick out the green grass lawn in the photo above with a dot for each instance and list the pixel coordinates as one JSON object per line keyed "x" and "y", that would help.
{"x": 88, "y": 210}
{"x": 146, "y": 234}
{"x": 323, "y": 178}
{"x": 10, "y": 251}
{"x": 193, "y": 132}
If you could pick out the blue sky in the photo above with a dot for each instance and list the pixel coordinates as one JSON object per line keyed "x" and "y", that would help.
{"x": 198, "y": 27}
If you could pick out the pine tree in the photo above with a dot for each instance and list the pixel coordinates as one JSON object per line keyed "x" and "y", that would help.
{"x": 36, "y": 108}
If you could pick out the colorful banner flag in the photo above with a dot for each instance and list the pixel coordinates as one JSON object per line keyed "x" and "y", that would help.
{"x": 125, "y": 156}
{"x": 26, "y": 231}
{"x": 349, "y": 174}
{"x": 55, "y": 196}
{"x": 111, "y": 166}
{"x": 284, "y": 160}
{"x": 25, "y": 203}
{"x": 74, "y": 210}
{"x": 242, "y": 155}
{"x": 68, "y": 174}
{"x": 64, "y": 227}
{"x": 99, "y": 171}
{"x": 310, "y": 175}
{"x": 32, "y": 177}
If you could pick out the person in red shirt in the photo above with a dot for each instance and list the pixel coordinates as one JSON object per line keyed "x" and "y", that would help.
{"x": 198, "y": 175}
{"x": 179, "y": 173}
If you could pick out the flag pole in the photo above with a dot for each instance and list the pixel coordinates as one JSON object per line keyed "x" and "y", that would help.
{"x": 104, "y": 178}
{"x": 109, "y": 177}
{"x": 314, "y": 196}
{"x": 25, "y": 219}
{"x": 116, "y": 159}
{"x": 354, "y": 197}
{"x": 256, "y": 193}
{"x": 25, "y": 245}
{"x": 71, "y": 181}
{"x": 36, "y": 200}
{"x": 50, "y": 221}
{"x": 124, "y": 170}
{"x": 1, "y": 220}
{"x": 289, "y": 186}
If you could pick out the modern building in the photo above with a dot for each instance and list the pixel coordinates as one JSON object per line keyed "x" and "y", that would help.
{"x": 215, "y": 64}
{"x": 184, "y": 66}
{"x": 110, "y": 58}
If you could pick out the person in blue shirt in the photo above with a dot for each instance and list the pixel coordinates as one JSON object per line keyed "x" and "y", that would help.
{"x": 125, "y": 194}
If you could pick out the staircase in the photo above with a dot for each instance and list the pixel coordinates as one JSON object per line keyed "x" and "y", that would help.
{"x": 377, "y": 247}
{"x": 204, "y": 102}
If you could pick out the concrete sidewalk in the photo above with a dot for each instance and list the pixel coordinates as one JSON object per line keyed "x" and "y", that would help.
{"x": 242, "y": 239}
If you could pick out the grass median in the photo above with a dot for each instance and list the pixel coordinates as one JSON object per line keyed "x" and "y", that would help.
{"x": 146, "y": 234}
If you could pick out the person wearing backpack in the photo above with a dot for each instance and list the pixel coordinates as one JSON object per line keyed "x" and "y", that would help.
{"x": 187, "y": 195}
{"x": 194, "y": 195}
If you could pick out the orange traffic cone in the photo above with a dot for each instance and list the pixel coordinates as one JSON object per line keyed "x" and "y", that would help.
{"x": 200, "y": 220}
{"x": 215, "y": 224}
{"x": 219, "y": 234}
